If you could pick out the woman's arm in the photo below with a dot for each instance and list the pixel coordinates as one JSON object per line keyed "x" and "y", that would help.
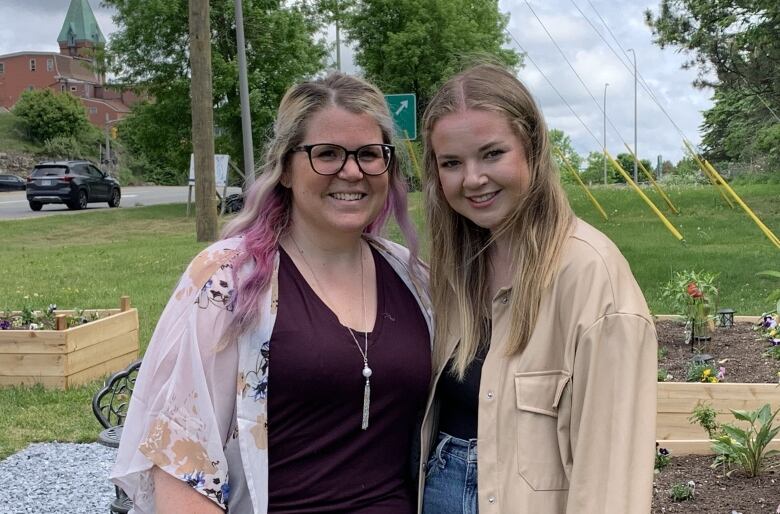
{"x": 173, "y": 496}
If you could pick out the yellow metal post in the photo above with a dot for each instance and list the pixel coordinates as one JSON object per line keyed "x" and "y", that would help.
{"x": 707, "y": 173}
{"x": 413, "y": 156}
{"x": 592, "y": 198}
{"x": 768, "y": 233}
{"x": 652, "y": 180}
{"x": 644, "y": 197}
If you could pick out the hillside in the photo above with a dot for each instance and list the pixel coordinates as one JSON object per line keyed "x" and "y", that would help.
{"x": 17, "y": 155}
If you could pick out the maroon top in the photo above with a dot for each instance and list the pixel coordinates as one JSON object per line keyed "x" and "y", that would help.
{"x": 319, "y": 458}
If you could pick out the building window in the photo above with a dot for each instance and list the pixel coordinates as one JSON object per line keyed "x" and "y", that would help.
{"x": 74, "y": 88}
{"x": 2, "y": 68}
{"x": 30, "y": 88}
{"x": 32, "y": 64}
{"x": 62, "y": 88}
{"x": 93, "y": 110}
{"x": 49, "y": 64}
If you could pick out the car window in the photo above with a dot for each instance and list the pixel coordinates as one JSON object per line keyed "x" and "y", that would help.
{"x": 5, "y": 178}
{"x": 49, "y": 171}
{"x": 95, "y": 172}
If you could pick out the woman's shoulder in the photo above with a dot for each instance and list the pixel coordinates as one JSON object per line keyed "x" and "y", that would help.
{"x": 587, "y": 247}
{"x": 213, "y": 264}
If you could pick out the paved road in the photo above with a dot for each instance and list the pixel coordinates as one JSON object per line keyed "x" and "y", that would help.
{"x": 14, "y": 205}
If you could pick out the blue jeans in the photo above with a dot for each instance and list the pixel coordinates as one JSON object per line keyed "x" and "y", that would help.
{"x": 451, "y": 477}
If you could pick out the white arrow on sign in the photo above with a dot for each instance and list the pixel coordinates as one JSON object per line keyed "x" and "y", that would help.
{"x": 404, "y": 105}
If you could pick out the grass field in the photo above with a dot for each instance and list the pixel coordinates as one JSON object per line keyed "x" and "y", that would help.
{"x": 89, "y": 260}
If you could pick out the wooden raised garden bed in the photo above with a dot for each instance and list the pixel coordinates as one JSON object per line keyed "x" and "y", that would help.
{"x": 59, "y": 359}
{"x": 676, "y": 401}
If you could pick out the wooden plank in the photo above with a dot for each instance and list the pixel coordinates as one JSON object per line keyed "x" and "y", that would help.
{"x": 679, "y": 447}
{"x": 101, "y": 370}
{"x": 102, "y": 351}
{"x": 87, "y": 312}
{"x": 677, "y": 426}
{"x": 95, "y": 332}
{"x": 33, "y": 364}
{"x": 47, "y": 382}
{"x": 722, "y": 391}
{"x": 32, "y": 341}
{"x": 737, "y": 319}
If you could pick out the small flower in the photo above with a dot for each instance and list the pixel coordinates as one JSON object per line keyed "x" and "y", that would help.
{"x": 52, "y": 307}
{"x": 5, "y": 324}
{"x": 721, "y": 373}
{"x": 34, "y": 326}
{"x": 663, "y": 451}
{"x": 694, "y": 291}
{"x": 707, "y": 372}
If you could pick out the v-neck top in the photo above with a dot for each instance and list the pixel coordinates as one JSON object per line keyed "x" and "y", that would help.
{"x": 320, "y": 460}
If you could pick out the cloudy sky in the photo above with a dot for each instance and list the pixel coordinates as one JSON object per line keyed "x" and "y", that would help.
{"x": 36, "y": 23}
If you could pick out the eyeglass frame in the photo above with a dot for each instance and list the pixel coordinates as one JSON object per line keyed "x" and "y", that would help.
{"x": 347, "y": 153}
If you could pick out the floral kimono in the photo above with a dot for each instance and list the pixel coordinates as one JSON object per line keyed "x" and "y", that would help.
{"x": 199, "y": 412}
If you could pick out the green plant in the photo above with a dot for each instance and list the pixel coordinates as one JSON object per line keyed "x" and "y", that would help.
{"x": 748, "y": 447}
{"x": 663, "y": 374}
{"x": 705, "y": 416}
{"x": 681, "y": 492}
{"x": 663, "y": 351}
{"x": 661, "y": 458}
{"x": 694, "y": 297}
{"x": 703, "y": 373}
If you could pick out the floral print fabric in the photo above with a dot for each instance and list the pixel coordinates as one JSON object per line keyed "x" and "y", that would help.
{"x": 199, "y": 413}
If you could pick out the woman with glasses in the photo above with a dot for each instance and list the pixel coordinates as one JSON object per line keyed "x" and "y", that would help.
{"x": 544, "y": 395}
{"x": 301, "y": 280}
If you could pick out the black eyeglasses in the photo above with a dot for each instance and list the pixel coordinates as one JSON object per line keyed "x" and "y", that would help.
{"x": 329, "y": 159}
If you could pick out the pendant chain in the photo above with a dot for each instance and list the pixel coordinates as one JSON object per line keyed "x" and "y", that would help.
{"x": 363, "y": 352}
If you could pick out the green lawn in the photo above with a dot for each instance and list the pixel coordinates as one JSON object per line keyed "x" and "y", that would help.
{"x": 89, "y": 260}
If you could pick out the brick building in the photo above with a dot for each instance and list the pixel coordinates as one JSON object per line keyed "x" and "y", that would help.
{"x": 69, "y": 70}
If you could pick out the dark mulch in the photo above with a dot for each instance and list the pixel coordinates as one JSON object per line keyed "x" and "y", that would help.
{"x": 715, "y": 493}
{"x": 738, "y": 349}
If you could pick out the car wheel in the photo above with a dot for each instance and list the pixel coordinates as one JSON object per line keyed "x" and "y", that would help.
{"x": 82, "y": 201}
{"x": 116, "y": 197}
{"x": 36, "y": 206}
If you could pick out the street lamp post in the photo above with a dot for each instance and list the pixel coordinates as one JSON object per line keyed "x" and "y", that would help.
{"x": 636, "y": 150}
{"x": 606, "y": 84}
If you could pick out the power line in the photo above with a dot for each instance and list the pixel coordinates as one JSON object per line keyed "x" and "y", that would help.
{"x": 527, "y": 55}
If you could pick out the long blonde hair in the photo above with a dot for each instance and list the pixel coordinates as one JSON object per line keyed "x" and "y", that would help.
{"x": 536, "y": 230}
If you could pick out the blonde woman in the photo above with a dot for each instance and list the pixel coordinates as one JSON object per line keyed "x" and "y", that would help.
{"x": 288, "y": 371}
{"x": 544, "y": 390}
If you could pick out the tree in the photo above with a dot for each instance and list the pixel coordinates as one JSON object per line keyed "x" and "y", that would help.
{"x": 412, "y": 46}
{"x": 46, "y": 115}
{"x": 150, "y": 52}
{"x": 735, "y": 39}
{"x": 594, "y": 169}
{"x": 626, "y": 161}
{"x": 562, "y": 143}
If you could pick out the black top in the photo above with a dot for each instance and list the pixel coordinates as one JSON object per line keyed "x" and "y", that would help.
{"x": 459, "y": 399}
{"x": 320, "y": 460}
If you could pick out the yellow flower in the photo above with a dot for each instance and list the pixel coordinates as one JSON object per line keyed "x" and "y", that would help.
{"x": 707, "y": 372}
{"x": 713, "y": 380}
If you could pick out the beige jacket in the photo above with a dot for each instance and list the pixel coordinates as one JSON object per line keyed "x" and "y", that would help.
{"x": 568, "y": 425}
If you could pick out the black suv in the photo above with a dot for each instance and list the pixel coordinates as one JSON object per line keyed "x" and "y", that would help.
{"x": 11, "y": 183}
{"x": 74, "y": 183}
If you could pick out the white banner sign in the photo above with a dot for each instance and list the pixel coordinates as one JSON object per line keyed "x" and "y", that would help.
{"x": 220, "y": 169}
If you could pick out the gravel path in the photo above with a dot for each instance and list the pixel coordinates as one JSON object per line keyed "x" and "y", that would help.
{"x": 66, "y": 478}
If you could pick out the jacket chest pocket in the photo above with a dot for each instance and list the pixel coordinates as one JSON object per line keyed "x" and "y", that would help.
{"x": 538, "y": 454}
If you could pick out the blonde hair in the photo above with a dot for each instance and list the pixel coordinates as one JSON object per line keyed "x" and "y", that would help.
{"x": 265, "y": 217}
{"x": 536, "y": 230}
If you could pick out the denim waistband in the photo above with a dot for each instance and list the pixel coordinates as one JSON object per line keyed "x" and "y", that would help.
{"x": 464, "y": 449}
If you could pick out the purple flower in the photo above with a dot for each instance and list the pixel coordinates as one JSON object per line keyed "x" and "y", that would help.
{"x": 5, "y": 325}
{"x": 721, "y": 373}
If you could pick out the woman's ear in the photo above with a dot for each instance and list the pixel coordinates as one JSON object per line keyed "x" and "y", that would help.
{"x": 284, "y": 180}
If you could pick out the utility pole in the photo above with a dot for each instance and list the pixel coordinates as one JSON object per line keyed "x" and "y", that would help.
{"x": 338, "y": 38}
{"x": 636, "y": 150}
{"x": 246, "y": 115}
{"x": 202, "y": 121}
{"x": 606, "y": 84}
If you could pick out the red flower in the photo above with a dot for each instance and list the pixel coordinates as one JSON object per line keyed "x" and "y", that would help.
{"x": 693, "y": 290}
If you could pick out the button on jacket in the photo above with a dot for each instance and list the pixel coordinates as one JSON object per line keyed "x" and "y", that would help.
{"x": 568, "y": 424}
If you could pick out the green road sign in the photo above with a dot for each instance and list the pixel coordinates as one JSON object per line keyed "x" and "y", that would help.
{"x": 403, "y": 109}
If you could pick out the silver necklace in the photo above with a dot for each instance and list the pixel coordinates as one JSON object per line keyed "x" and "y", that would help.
{"x": 367, "y": 372}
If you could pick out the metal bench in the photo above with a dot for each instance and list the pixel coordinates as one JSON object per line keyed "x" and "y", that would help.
{"x": 110, "y": 407}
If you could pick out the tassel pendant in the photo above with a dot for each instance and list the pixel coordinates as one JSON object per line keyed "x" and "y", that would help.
{"x": 366, "y": 403}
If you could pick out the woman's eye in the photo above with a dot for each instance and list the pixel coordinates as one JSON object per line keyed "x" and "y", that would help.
{"x": 448, "y": 164}
{"x": 494, "y": 154}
